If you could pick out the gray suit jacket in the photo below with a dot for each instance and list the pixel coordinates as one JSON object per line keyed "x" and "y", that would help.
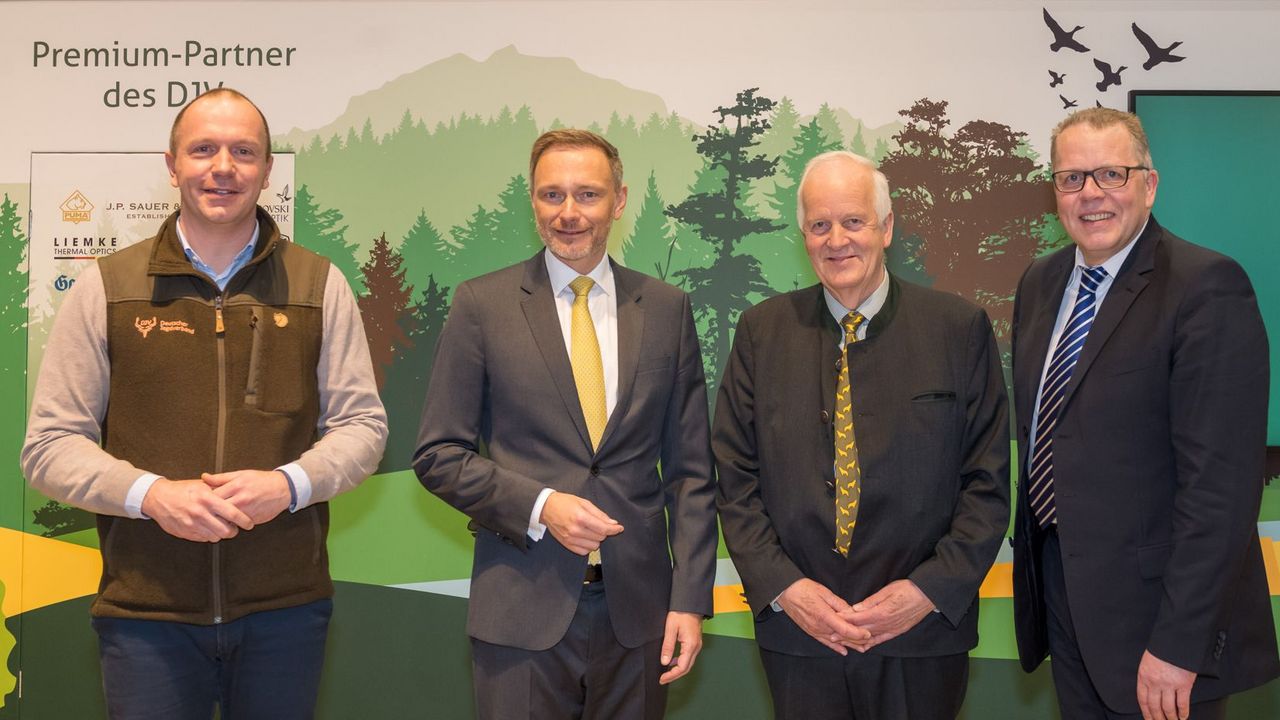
{"x": 502, "y": 421}
{"x": 931, "y": 422}
{"x": 1158, "y": 460}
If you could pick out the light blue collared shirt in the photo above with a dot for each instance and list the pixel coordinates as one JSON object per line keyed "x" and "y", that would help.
{"x": 869, "y": 307}
{"x": 238, "y": 262}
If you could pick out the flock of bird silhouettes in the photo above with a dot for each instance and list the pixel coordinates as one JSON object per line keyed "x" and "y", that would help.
{"x": 1066, "y": 39}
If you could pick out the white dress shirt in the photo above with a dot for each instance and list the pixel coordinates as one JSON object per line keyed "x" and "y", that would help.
{"x": 602, "y": 301}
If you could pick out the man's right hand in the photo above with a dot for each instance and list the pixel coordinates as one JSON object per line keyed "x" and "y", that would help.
{"x": 576, "y": 522}
{"x": 817, "y": 611}
{"x": 189, "y": 509}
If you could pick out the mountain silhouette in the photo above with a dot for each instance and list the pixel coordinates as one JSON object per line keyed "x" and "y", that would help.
{"x": 1063, "y": 38}
{"x": 1109, "y": 78}
{"x": 1155, "y": 53}
{"x": 552, "y": 88}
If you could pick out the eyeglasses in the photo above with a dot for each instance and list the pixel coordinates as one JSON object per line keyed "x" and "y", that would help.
{"x": 1106, "y": 178}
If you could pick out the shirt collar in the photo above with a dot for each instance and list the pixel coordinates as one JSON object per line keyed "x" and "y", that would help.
{"x": 561, "y": 275}
{"x": 1113, "y": 264}
{"x": 237, "y": 262}
{"x": 869, "y": 307}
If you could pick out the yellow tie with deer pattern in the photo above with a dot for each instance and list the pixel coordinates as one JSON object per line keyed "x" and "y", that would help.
{"x": 848, "y": 474}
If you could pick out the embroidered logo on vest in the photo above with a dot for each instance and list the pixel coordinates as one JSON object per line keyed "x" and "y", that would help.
{"x": 176, "y": 326}
{"x": 281, "y": 319}
{"x": 144, "y": 326}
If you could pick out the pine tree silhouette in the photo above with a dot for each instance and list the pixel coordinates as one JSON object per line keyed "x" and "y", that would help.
{"x": 422, "y": 249}
{"x": 651, "y": 247}
{"x": 721, "y": 290}
{"x": 407, "y": 378}
{"x": 387, "y": 299}
{"x": 319, "y": 230}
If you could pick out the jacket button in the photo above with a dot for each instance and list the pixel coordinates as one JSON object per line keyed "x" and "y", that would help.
{"x": 825, "y": 417}
{"x": 595, "y": 469}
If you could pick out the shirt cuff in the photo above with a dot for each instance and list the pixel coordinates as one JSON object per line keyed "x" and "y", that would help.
{"x": 537, "y": 529}
{"x": 138, "y": 491}
{"x": 299, "y": 485}
{"x": 776, "y": 607}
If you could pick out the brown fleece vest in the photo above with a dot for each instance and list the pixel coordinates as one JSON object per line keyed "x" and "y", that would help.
{"x": 204, "y": 380}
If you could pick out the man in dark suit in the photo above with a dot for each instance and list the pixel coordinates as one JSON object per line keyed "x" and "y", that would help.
{"x": 559, "y": 386}
{"x": 861, "y": 439}
{"x": 1140, "y": 379}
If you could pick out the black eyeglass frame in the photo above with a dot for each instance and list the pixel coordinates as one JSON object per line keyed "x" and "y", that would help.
{"x": 1128, "y": 170}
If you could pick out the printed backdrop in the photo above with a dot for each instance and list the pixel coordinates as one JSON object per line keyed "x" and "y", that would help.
{"x": 408, "y": 126}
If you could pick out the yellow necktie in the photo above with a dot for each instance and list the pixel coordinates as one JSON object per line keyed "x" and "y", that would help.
{"x": 584, "y": 355}
{"x": 848, "y": 474}
{"x": 588, "y": 369}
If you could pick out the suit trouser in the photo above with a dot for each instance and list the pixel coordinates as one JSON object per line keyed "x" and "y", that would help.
{"x": 588, "y": 674}
{"x": 1077, "y": 697}
{"x": 264, "y": 665}
{"x": 865, "y": 686}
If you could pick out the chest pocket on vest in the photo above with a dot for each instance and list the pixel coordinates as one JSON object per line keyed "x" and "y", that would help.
{"x": 280, "y": 368}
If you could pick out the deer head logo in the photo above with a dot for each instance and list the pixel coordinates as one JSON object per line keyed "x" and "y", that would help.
{"x": 144, "y": 326}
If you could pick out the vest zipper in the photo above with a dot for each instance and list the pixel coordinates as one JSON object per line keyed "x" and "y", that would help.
{"x": 220, "y": 331}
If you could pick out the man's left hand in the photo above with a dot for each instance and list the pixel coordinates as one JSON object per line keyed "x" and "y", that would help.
{"x": 1164, "y": 689}
{"x": 260, "y": 494}
{"x": 686, "y": 629}
{"x": 889, "y": 612}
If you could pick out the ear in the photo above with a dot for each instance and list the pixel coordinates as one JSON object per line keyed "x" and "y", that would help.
{"x": 888, "y": 230}
{"x": 621, "y": 204}
{"x": 266, "y": 175}
{"x": 1153, "y": 180}
{"x": 169, "y": 161}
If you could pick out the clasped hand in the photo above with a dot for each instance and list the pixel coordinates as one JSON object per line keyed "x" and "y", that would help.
{"x": 216, "y": 507}
{"x": 827, "y": 618}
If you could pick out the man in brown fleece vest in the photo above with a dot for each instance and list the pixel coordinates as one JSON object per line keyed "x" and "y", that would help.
{"x": 206, "y": 392}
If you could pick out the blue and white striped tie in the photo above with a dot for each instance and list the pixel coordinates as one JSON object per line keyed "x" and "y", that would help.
{"x": 1070, "y": 344}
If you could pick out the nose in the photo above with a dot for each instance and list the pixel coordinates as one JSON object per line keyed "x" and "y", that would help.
{"x": 222, "y": 161}
{"x": 569, "y": 212}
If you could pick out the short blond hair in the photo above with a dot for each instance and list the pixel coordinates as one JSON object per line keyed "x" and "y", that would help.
{"x": 575, "y": 138}
{"x": 1100, "y": 118}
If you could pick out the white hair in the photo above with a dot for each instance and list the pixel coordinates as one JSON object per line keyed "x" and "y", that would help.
{"x": 884, "y": 205}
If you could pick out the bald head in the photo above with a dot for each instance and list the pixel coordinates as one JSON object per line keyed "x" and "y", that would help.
{"x": 214, "y": 94}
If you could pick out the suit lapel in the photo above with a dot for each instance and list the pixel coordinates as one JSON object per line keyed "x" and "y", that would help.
{"x": 630, "y": 339}
{"x": 1040, "y": 328}
{"x": 540, "y": 311}
{"x": 824, "y": 346}
{"x": 1130, "y": 281}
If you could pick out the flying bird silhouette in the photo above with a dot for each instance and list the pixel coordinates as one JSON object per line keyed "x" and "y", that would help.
{"x": 1057, "y": 78}
{"x": 1097, "y": 103}
{"x": 1062, "y": 38}
{"x": 284, "y": 195}
{"x": 1066, "y": 103}
{"x": 1155, "y": 53}
{"x": 1109, "y": 78}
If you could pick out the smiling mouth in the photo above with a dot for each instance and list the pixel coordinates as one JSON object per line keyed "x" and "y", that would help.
{"x": 221, "y": 191}
{"x": 1095, "y": 217}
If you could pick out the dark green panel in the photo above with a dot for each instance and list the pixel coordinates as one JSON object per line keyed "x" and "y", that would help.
{"x": 1217, "y": 156}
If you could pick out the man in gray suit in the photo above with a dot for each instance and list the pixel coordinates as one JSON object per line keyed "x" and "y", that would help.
{"x": 862, "y": 442}
{"x": 560, "y": 386}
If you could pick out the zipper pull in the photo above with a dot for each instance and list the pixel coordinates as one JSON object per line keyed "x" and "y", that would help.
{"x": 218, "y": 327}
